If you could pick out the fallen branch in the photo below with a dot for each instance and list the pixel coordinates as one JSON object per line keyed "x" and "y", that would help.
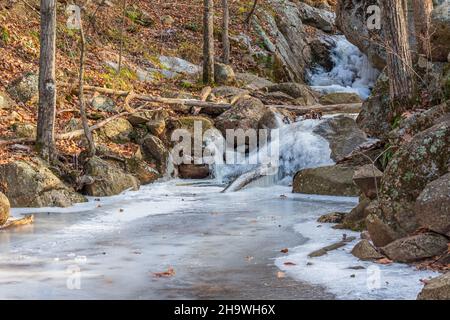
{"x": 334, "y": 246}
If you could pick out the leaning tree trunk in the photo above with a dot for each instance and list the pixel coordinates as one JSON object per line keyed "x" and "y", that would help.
{"x": 399, "y": 61}
{"x": 45, "y": 140}
{"x": 422, "y": 23}
{"x": 225, "y": 34}
{"x": 208, "y": 42}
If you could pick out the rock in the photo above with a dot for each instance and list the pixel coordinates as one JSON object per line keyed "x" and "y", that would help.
{"x": 433, "y": 206}
{"x": 103, "y": 103}
{"x": 356, "y": 219}
{"x": 228, "y": 93}
{"x": 143, "y": 117}
{"x": 276, "y": 97}
{"x": 321, "y": 49}
{"x": 368, "y": 179}
{"x": 142, "y": 171}
{"x": 109, "y": 178}
{"x": 224, "y": 74}
{"x": 440, "y": 33}
{"x": 188, "y": 123}
{"x": 4, "y": 209}
{"x": 5, "y": 101}
{"x": 117, "y": 131}
{"x": 303, "y": 94}
{"x": 179, "y": 65}
{"x": 192, "y": 171}
{"x": 412, "y": 167}
{"x": 167, "y": 20}
{"x": 380, "y": 231}
{"x": 31, "y": 184}
{"x": 343, "y": 135}
{"x": 25, "y": 88}
{"x": 415, "y": 248}
{"x": 271, "y": 119}
{"x": 339, "y": 98}
{"x": 320, "y": 19}
{"x": 154, "y": 149}
{"x": 436, "y": 289}
{"x": 252, "y": 82}
{"x": 156, "y": 127}
{"x": 334, "y": 180}
{"x": 365, "y": 251}
{"x": 245, "y": 115}
{"x": 333, "y": 217}
{"x": 24, "y": 130}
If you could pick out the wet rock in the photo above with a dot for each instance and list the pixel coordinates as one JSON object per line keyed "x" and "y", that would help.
{"x": 245, "y": 115}
{"x": 117, "y": 131}
{"x": 356, "y": 219}
{"x": 436, "y": 289}
{"x": 142, "y": 170}
{"x": 318, "y": 18}
{"x": 302, "y": 94}
{"x": 333, "y": 217}
{"x": 4, "y": 209}
{"x": 24, "y": 88}
{"x": 24, "y": 130}
{"x": 415, "y": 248}
{"x": 252, "y": 82}
{"x": 224, "y": 74}
{"x": 368, "y": 179}
{"x": 343, "y": 134}
{"x": 192, "y": 171}
{"x": 5, "y": 101}
{"x": 339, "y": 98}
{"x": 334, "y": 180}
{"x": 433, "y": 206}
{"x": 32, "y": 184}
{"x": 365, "y": 251}
{"x": 103, "y": 103}
{"x": 108, "y": 178}
{"x": 272, "y": 119}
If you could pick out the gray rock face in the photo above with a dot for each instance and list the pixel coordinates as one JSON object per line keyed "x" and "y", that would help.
{"x": 302, "y": 94}
{"x": 332, "y": 180}
{"x": 4, "y": 209}
{"x": 179, "y": 65}
{"x": 416, "y": 247}
{"x": 343, "y": 134}
{"x": 433, "y": 206}
{"x": 32, "y": 184}
{"x": 318, "y": 18}
{"x": 436, "y": 289}
{"x": 103, "y": 103}
{"x": 109, "y": 178}
{"x": 365, "y": 251}
{"x": 252, "y": 82}
{"x": 25, "y": 88}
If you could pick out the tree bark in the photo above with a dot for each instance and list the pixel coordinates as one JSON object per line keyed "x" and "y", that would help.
{"x": 45, "y": 140}
{"x": 399, "y": 61}
{"x": 84, "y": 120}
{"x": 208, "y": 42}
{"x": 225, "y": 34}
{"x": 252, "y": 11}
{"x": 422, "y": 24}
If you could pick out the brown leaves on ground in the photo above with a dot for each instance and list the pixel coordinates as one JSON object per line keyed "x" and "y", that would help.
{"x": 384, "y": 261}
{"x": 166, "y": 274}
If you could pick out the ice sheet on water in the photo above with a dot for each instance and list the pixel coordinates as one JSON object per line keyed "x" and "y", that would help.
{"x": 352, "y": 71}
{"x": 333, "y": 271}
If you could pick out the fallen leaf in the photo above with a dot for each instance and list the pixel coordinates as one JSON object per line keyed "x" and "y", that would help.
{"x": 290, "y": 264}
{"x": 281, "y": 275}
{"x": 384, "y": 261}
{"x": 166, "y": 274}
{"x": 284, "y": 250}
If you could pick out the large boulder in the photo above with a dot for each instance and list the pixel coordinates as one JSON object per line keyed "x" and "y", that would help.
{"x": 141, "y": 170}
{"x": 302, "y": 94}
{"x": 365, "y": 251}
{"x": 368, "y": 179}
{"x": 415, "y": 248}
{"x": 4, "y": 209}
{"x": 31, "y": 184}
{"x": 155, "y": 151}
{"x": 436, "y": 289}
{"x": 433, "y": 206}
{"x": 224, "y": 74}
{"x": 343, "y": 134}
{"x": 315, "y": 17}
{"x": 339, "y": 98}
{"x": 334, "y": 180}
{"x": 424, "y": 159}
{"x": 245, "y": 115}
{"x": 25, "y": 88}
{"x": 250, "y": 81}
{"x": 179, "y": 65}
{"x": 108, "y": 178}
{"x": 117, "y": 131}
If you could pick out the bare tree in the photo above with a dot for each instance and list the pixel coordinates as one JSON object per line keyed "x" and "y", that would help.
{"x": 422, "y": 23}
{"x": 252, "y": 11}
{"x": 87, "y": 131}
{"x": 45, "y": 140}
{"x": 225, "y": 34}
{"x": 208, "y": 41}
{"x": 122, "y": 31}
{"x": 399, "y": 61}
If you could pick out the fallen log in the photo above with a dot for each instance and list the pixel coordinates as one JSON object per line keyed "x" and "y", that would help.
{"x": 335, "y": 108}
{"x": 10, "y": 224}
{"x": 332, "y": 247}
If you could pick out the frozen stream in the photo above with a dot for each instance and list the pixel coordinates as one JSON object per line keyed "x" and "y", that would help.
{"x": 219, "y": 245}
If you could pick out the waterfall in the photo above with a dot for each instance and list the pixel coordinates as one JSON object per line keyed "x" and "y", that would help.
{"x": 352, "y": 71}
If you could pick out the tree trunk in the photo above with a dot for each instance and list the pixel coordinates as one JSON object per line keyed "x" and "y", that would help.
{"x": 225, "y": 34}
{"x": 208, "y": 42}
{"x": 84, "y": 120}
{"x": 45, "y": 140}
{"x": 422, "y": 24}
{"x": 399, "y": 61}
{"x": 252, "y": 11}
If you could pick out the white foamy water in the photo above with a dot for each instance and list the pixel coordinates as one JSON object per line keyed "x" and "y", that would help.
{"x": 352, "y": 71}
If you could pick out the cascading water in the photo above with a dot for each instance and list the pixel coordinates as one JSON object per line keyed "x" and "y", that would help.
{"x": 352, "y": 71}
